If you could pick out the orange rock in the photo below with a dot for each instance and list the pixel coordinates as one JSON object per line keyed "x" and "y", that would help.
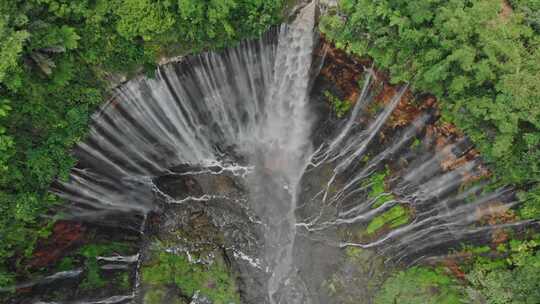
{"x": 345, "y": 70}
{"x": 495, "y": 213}
{"x": 454, "y": 269}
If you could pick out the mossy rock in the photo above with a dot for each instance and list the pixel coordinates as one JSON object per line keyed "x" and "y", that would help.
{"x": 213, "y": 280}
{"x": 188, "y": 260}
{"x": 157, "y": 295}
{"x": 391, "y": 218}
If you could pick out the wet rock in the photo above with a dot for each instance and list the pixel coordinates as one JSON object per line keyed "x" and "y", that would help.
{"x": 358, "y": 276}
{"x": 203, "y": 241}
{"x": 162, "y": 294}
{"x": 187, "y": 261}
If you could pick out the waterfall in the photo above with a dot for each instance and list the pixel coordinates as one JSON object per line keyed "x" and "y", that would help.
{"x": 285, "y": 133}
{"x": 246, "y": 112}
{"x": 252, "y": 100}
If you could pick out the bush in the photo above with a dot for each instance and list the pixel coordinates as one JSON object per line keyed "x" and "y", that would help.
{"x": 420, "y": 285}
{"x": 513, "y": 280}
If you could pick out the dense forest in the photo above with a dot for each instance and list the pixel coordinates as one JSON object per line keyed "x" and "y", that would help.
{"x": 481, "y": 59}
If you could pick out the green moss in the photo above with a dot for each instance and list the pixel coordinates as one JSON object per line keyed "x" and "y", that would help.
{"x": 123, "y": 280}
{"x": 353, "y": 252}
{"x": 154, "y": 296}
{"x": 392, "y": 218}
{"x": 416, "y": 143}
{"x": 395, "y": 216}
{"x": 66, "y": 264}
{"x": 477, "y": 249}
{"x": 501, "y": 248}
{"x": 340, "y": 107}
{"x": 160, "y": 295}
{"x": 213, "y": 281}
{"x": 378, "y": 188}
{"x": 94, "y": 250}
{"x": 93, "y": 279}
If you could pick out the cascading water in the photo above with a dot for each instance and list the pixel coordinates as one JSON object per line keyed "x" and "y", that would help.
{"x": 251, "y": 100}
{"x": 247, "y": 114}
{"x": 285, "y": 142}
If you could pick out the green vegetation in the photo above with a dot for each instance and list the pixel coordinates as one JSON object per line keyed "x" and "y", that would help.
{"x": 416, "y": 143}
{"x": 104, "y": 249}
{"x": 420, "y": 285}
{"x": 510, "y": 276}
{"x": 123, "y": 280}
{"x": 480, "y": 58}
{"x": 391, "y": 218}
{"x": 212, "y": 281}
{"x": 514, "y": 278}
{"x": 160, "y": 295}
{"x": 93, "y": 278}
{"x": 340, "y": 107}
{"x": 56, "y": 59}
{"x": 66, "y": 264}
{"x": 378, "y": 188}
{"x": 394, "y": 217}
{"x": 154, "y": 296}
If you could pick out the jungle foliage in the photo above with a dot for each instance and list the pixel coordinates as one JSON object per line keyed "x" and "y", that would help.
{"x": 480, "y": 58}
{"x": 510, "y": 280}
{"x": 57, "y": 58}
{"x": 213, "y": 281}
{"x": 420, "y": 285}
{"x": 508, "y": 275}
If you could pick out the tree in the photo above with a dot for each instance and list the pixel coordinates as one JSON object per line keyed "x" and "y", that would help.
{"x": 11, "y": 46}
{"x": 420, "y": 285}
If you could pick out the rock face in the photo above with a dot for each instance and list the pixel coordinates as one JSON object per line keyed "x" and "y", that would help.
{"x": 358, "y": 276}
{"x": 200, "y": 246}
